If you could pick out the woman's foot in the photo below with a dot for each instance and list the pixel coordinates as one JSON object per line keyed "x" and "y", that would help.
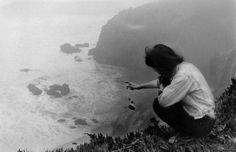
{"x": 180, "y": 138}
{"x": 172, "y": 139}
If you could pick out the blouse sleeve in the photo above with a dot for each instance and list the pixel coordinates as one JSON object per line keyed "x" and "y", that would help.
{"x": 176, "y": 91}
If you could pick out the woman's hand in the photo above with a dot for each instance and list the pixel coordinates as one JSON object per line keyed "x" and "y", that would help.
{"x": 132, "y": 86}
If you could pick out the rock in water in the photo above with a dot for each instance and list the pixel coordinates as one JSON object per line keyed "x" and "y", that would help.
{"x": 34, "y": 90}
{"x": 78, "y": 59}
{"x": 57, "y": 90}
{"x": 80, "y": 122}
{"x": 69, "y": 49}
{"x": 65, "y": 89}
{"x": 25, "y": 70}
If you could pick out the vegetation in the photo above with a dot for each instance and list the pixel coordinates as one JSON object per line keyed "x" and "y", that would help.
{"x": 157, "y": 138}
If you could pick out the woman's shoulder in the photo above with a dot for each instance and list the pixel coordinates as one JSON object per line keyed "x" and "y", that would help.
{"x": 186, "y": 64}
{"x": 186, "y": 68}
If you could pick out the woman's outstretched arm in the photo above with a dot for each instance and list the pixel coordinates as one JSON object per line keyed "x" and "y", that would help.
{"x": 146, "y": 85}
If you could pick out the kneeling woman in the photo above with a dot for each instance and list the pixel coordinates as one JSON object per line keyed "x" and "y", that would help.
{"x": 185, "y": 101}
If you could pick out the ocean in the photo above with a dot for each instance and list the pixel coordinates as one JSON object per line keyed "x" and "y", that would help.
{"x": 30, "y": 53}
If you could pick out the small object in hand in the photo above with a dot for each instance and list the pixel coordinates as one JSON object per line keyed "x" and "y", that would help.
{"x": 132, "y": 107}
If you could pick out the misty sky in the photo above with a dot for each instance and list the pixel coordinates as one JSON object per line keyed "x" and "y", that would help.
{"x": 18, "y": 9}
{"x": 124, "y": 2}
{"x": 26, "y": 25}
{"x": 32, "y": 32}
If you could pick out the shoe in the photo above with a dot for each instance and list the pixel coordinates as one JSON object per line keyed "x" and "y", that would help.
{"x": 173, "y": 139}
{"x": 154, "y": 122}
{"x": 180, "y": 139}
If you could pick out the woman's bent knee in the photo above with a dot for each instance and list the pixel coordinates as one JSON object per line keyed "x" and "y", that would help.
{"x": 156, "y": 106}
{"x": 158, "y": 109}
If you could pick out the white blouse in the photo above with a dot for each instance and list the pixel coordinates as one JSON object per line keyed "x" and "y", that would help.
{"x": 190, "y": 87}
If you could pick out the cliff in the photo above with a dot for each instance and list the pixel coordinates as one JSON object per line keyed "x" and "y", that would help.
{"x": 195, "y": 29}
{"x": 202, "y": 31}
{"x": 223, "y": 67}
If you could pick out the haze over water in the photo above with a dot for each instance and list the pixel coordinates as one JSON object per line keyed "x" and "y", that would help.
{"x": 31, "y": 35}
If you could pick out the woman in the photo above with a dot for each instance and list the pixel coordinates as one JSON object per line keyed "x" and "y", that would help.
{"x": 184, "y": 101}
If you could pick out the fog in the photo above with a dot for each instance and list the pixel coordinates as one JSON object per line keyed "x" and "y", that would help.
{"x": 31, "y": 62}
{"x": 40, "y": 48}
{"x": 50, "y": 18}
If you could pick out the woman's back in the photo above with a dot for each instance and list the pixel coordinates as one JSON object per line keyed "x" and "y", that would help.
{"x": 199, "y": 99}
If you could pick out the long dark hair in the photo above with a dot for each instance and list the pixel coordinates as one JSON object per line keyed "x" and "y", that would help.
{"x": 162, "y": 59}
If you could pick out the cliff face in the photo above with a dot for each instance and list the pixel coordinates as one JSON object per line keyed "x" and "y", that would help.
{"x": 222, "y": 67}
{"x": 202, "y": 31}
{"x": 195, "y": 29}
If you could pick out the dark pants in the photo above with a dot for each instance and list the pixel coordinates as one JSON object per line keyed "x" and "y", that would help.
{"x": 176, "y": 117}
